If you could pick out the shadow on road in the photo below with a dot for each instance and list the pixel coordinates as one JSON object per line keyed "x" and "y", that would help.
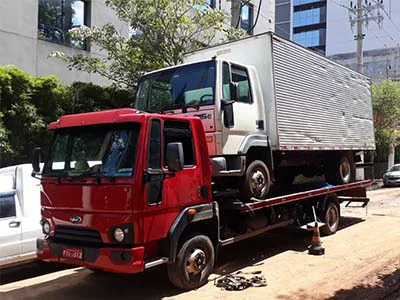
{"x": 386, "y": 287}
{"x": 154, "y": 284}
{"x": 30, "y": 270}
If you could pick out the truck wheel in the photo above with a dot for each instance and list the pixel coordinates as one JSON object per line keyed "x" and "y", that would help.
{"x": 193, "y": 264}
{"x": 256, "y": 182}
{"x": 339, "y": 170}
{"x": 330, "y": 217}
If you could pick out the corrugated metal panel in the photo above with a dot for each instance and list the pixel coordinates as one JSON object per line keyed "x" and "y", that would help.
{"x": 320, "y": 103}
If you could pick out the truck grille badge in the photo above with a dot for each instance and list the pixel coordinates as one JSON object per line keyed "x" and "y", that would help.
{"x": 75, "y": 219}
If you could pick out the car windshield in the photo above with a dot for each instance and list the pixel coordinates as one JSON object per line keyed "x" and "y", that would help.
{"x": 93, "y": 151}
{"x": 185, "y": 86}
{"x": 395, "y": 168}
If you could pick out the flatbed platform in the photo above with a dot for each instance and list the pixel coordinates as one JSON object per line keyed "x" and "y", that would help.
{"x": 352, "y": 192}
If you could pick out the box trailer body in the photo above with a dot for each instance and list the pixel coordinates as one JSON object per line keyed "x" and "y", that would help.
{"x": 308, "y": 101}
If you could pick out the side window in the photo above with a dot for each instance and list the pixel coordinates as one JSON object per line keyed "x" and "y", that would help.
{"x": 180, "y": 132}
{"x": 154, "y": 150}
{"x": 7, "y": 205}
{"x": 226, "y": 78}
{"x": 155, "y": 184}
{"x": 240, "y": 76}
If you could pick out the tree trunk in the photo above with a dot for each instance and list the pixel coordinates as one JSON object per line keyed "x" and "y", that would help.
{"x": 391, "y": 156}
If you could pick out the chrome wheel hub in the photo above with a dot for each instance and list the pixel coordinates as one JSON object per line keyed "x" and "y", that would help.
{"x": 196, "y": 262}
{"x": 257, "y": 183}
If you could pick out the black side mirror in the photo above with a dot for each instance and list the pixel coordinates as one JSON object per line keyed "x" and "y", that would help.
{"x": 234, "y": 90}
{"x": 36, "y": 158}
{"x": 174, "y": 157}
{"x": 227, "y": 108}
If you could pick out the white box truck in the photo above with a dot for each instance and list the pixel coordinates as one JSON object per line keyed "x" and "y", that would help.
{"x": 271, "y": 109}
{"x": 19, "y": 215}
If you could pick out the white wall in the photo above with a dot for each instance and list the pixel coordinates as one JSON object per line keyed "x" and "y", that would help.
{"x": 19, "y": 44}
{"x": 340, "y": 37}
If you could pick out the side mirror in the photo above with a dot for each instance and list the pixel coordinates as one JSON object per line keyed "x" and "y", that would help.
{"x": 36, "y": 158}
{"x": 174, "y": 157}
{"x": 234, "y": 90}
{"x": 227, "y": 108}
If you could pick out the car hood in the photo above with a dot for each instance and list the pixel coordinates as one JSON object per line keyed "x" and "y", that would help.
{"x": 393, "y": 173}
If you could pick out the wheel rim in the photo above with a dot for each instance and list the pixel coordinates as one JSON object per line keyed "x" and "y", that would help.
{"x": 258, "y": 183}
{"x": 332, "y": 217}
{"x": 196, "y": 262}
{"x": 345, "y": 170}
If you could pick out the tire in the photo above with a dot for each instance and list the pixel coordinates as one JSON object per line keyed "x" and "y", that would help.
{"x": 256, "y": 182}
{"x": 339, "y": 170}
{"x": 331, "y": 217}
{"x": 193, "y": 264}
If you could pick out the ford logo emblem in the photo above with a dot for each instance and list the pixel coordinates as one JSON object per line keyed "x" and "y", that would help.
{"x": 75, "y": 219}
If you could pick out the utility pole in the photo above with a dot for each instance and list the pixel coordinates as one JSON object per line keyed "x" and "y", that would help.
{"x": 359, "y": 38}
{"x": 235, "y": 12}
{"x": 360, "y": 14}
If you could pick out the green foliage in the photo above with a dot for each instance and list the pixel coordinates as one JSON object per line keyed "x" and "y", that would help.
{"x": 165, "y": 30}
{"x": 386, "y": 105}
{"x": 28, "y": 104}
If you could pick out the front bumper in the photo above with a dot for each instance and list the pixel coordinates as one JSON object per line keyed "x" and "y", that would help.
{"x": 391, "y": 182}
{"x": 117, "y": 260}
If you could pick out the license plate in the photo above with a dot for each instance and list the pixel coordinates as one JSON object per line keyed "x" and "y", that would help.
{"x": 73, "y": 253}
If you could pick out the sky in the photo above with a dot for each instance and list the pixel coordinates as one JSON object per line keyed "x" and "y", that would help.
{"x": 340, "y": 36}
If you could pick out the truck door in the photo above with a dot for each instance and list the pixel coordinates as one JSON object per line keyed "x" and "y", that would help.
{"x": 10, "y": 224}
{"x": 246, "y": 112}
{"x": 167, "y": 194}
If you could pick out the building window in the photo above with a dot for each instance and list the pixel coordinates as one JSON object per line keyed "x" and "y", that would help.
{"x": 211, "y": 3}
{"x": 307, "y": 17}
{"x": 246, "y": 16}
{"x": 57, "y": 17}
{"x": 308, "y": 38}
{"x": 300, "y": 2}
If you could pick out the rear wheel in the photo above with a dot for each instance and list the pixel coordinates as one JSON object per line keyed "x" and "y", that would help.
{"x": 330, "y": 217}
{"x": 256, "y": 182}
{"x": 339, "y": 169}
{"x": 193, "y": 264}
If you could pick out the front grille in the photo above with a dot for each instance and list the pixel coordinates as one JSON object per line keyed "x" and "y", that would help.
{"x": 77, "y": 234}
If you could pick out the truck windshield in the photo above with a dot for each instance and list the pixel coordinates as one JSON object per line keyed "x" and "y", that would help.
{"x": 93, "y": 151}
{"x": 185, "y": 86}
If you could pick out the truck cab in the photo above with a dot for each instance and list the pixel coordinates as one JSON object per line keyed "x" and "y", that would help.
{"x": 117, "y": 187}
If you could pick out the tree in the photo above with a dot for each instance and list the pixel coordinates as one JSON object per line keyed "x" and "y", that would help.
{"x": 163, "y": 30}
{"x": 386, "y": 105}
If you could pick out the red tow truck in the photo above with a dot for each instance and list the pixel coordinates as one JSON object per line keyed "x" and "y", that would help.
{"x": 124, "y": 191}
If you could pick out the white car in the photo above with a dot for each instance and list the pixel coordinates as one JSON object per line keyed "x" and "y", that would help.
{"x": 392, "y": 176}
{"x": 19, "y": 215}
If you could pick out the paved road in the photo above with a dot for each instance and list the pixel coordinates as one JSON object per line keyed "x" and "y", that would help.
{"x": 362, "y": 261}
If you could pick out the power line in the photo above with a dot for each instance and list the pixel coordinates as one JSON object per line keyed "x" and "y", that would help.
{"x": 258, "y": 14}
{"x": 390, "y": 18}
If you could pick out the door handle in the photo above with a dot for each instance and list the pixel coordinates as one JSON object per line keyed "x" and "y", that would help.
{"x": 14, "y": 224}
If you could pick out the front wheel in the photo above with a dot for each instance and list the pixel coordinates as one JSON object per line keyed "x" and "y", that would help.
{"x": 193, "y": 264}
{"x": 256, "y": 182}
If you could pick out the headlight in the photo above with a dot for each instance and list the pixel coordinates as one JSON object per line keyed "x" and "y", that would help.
{"x": 119, "y": 234}
{"x": 46, "y": 227}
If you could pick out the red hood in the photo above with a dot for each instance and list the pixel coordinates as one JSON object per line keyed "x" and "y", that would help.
{"x": 88, "y": 198}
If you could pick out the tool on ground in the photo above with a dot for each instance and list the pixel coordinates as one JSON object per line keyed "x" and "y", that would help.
{"x": 316, "y": 248}
{"x": 239, "y": 281}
